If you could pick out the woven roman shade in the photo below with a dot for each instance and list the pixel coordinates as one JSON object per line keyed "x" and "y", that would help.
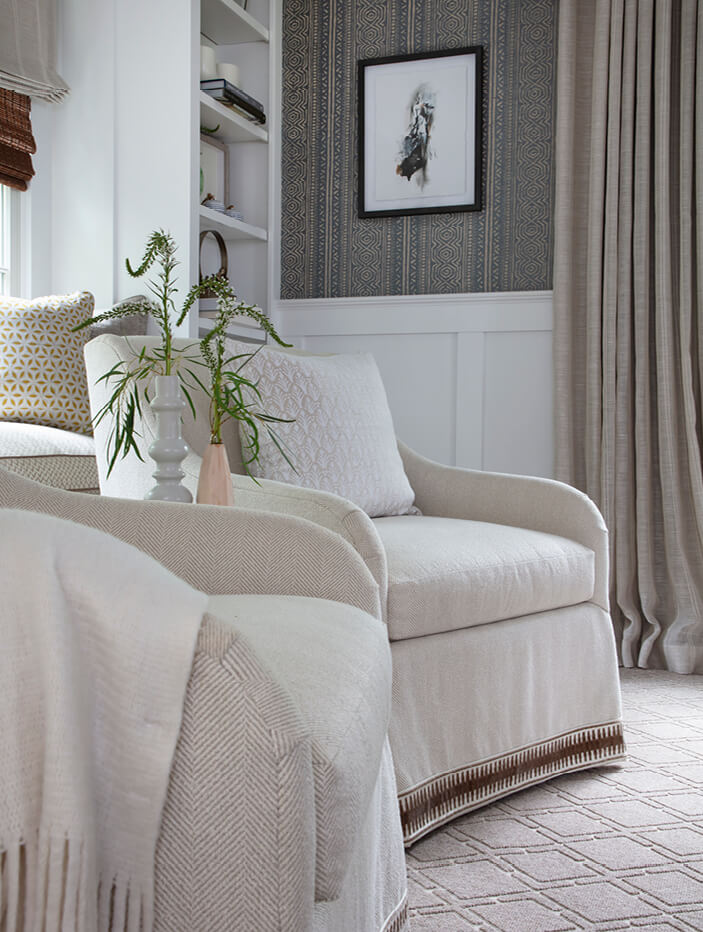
{"x": 16, "y": 140}
{"x": 27, "y": 69}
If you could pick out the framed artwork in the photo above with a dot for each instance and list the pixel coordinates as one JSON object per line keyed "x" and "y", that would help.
{"x": 420, "y": 133}
{"x": 214, "y": 170}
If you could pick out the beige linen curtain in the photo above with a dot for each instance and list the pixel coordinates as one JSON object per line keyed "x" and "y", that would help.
{"x": 628, "y": 304}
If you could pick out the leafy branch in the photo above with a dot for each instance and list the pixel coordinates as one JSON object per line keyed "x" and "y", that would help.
{"x": 128, "y": 380}
{"x": 120, "y": 311}
{"x": 129, "y": 377}
{"x": 232, "y": 394}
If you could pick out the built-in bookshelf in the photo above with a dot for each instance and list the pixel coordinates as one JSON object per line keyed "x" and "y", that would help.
{"x": 233, "y": 127}
{"x": 229, "y": 228}
{"x": 225, "y": 22}
{"x": 248, "y": 38}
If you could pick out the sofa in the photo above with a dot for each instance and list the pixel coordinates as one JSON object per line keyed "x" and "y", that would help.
{"x": 495, "y": 602}
{"x": 60, "y": 458}
{"x": 35, "y": 447}
{"x": 281, "y": 811}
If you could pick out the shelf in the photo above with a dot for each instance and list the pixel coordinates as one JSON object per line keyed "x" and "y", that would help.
{"x": 229, "y": 228}
{"x": 233, "y": 127}
{"x": 224, "y": 22}
{"x": 240, "y": 328}
{"x": 252, "y": 35}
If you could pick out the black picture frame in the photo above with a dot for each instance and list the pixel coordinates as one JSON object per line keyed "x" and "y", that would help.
{"x": 420, "y": 89}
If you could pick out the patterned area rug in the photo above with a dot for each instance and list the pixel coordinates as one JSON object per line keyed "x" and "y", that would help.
{"x": 603, "y": 849}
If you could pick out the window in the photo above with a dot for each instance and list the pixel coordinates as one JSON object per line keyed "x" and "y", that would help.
{"x": 9, "y": 241}
{"x": 5, "y": 224}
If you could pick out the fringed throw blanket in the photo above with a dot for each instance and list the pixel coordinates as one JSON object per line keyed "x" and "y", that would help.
{"x": 96, "y": 644}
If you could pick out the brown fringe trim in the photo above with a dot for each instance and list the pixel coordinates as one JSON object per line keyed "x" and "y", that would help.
{"x": 398, "y": 920}
{"x": 450, "y": 794}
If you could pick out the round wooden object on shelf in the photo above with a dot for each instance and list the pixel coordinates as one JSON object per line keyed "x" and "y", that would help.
{"x": 222, "y": 272}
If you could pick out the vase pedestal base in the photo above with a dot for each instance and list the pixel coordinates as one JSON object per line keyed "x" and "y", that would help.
{"x": 169, "y": 449}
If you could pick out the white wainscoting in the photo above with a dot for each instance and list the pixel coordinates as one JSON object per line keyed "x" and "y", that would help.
{"x": 468, "y": 376}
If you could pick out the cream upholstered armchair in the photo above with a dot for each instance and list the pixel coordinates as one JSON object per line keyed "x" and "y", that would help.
{"x": 281, "y": 812}
{"x": 495, "y": 601}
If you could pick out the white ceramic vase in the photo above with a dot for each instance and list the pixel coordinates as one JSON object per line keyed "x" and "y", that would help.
{"x": 215, "y": 481}
{"x": 169, "y": 449}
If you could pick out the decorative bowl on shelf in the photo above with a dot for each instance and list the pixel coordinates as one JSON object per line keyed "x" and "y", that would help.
{"x": 214, "y": 204}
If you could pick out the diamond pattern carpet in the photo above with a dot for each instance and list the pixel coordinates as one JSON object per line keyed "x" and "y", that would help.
{"x": 605, "y": 849}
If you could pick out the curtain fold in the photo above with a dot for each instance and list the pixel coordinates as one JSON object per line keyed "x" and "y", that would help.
{"x": 28, "y": 49}
{"x": 628, "y": 295}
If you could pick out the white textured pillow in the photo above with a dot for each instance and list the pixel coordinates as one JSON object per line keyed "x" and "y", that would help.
{"x": 342, "y": 439}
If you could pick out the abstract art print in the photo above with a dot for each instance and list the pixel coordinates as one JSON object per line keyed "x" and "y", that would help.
{"x": 420, "y": 133}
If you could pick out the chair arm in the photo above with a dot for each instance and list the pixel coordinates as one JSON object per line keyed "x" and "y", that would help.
{"x": 519, "y": 501}
{"x": 132, "y": 478}
{"x": 236, "y": 848}
{"x": 217, "y": 550}
{"x": 324, "y": 509}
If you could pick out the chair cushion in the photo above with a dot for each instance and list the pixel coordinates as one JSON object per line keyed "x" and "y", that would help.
{"x": 54, "y": 457}
{"x": 445, "y": 574}
{"x": 334, "y": 662}
{"x": 341, "y": 438}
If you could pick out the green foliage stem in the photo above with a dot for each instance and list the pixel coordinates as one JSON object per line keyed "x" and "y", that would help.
{"x": 232, "y": 395}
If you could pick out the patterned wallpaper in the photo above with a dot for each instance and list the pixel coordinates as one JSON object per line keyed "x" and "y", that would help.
{"x": 326, "y": 249}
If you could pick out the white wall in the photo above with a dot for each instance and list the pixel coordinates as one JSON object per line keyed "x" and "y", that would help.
{"x": 83, "y": 152}
{"x": 156, "y": 132}
{"x": 36, "y": 233}
{"x": 468, "y": 377}
{"x": 115, "y": 156}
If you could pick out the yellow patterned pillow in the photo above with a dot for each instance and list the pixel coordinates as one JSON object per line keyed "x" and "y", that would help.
{"x": 42, "y": 373}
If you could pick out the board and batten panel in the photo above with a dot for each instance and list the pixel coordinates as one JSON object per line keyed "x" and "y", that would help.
{"x": 517, "y": 403}
{"x": 475, "y": 391}
{"x": 419, "y": 374}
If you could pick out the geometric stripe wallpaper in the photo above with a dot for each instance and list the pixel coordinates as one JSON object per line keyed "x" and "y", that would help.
{"x": 327, "y": 250}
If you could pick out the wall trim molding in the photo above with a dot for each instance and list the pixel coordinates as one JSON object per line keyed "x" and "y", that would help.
{"x": 485, "y": 312}
{"x": 486, "y": 355}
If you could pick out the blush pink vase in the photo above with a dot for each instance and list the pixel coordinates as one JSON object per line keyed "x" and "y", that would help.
{"x": 215, "y": 481}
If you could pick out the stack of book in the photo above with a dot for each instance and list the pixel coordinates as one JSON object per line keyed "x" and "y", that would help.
{"x": 233, "y": 97}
